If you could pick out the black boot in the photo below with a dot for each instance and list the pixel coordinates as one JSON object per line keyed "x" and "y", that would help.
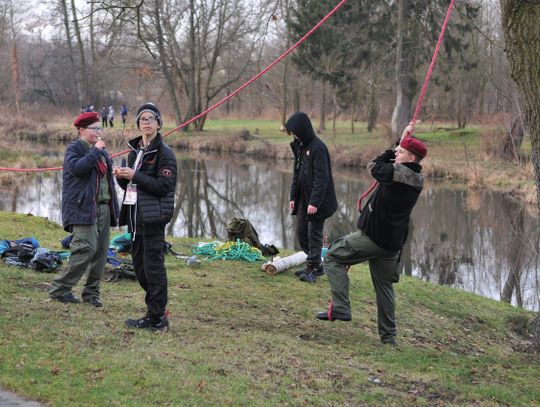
{"x": 159, "y": 325}
{"x": 141, "y": 323}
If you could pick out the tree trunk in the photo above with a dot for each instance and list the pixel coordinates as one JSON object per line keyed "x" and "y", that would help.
{"x": 163, "y": 62}
{"x": 15, "y": 62}
{"x": 80, "y": 45}
{"x": 322, "y": 123}
{"x": 514, "y": 212}
{"x": 513, "y": 139}
{"x": 522, "y": 36}
{"x": 191, "y": 77}
{"x": 65, "y": 17}
{"x": 284, "y": 84}
{"x": 15, "y": 77}
{"x": 353, "y": 108}
{"x": 297, "y": 99}
{"x": 405, "y": 81}
{"x": 373, "y": 107}
{"x": 92, "y": 34}
{"x": 334, "y": 114}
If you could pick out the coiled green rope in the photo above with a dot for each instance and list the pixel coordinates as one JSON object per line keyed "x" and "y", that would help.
{"x": 229, "y": 251}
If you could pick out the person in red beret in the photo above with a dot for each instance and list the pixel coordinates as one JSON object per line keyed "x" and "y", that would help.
{"x": 383, "y": 228}
{"x": 89, "y": 208}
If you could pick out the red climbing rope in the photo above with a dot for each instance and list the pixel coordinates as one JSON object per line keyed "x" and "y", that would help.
{"x": 422, "y": 94}
{"x": 222, "y": 101}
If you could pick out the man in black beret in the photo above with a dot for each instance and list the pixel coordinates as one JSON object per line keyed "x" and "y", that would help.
{"x": 89, "y": 208}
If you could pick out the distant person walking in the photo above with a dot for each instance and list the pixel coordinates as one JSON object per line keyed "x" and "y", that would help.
{"x": 111, "y": 117}
{"x": 89, "y": 208}
{"x": 149, "y": 182}
{"x": 123, "y": 113}
{"x": 104, "y": 117}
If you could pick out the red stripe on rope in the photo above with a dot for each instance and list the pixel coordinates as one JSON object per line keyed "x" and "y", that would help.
{"x": 226, "y": 98}
{"x": 422, "y": 94}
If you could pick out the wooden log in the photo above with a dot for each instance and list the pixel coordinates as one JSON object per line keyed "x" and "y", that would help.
{"x": 279, "y": 265}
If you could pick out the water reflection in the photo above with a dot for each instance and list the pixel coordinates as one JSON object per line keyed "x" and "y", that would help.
{"x": 480, "y": 242}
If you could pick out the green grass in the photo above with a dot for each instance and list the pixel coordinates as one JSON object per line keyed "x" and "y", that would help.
{"x": 241, "y": 337}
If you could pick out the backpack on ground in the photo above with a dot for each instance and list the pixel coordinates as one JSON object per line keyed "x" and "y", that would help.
{"x": 242, "y": 229}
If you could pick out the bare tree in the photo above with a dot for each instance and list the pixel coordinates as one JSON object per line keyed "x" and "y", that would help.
{"x": 522, "y": 35}
{"x": 14, "y": 24}
{"x": 405, "y": 80}
{"x": 82, "y": 56}
{"x": 65, "y": 19}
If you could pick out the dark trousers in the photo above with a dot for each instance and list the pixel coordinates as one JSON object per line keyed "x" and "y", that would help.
{"x": 310, "y": 235}
{"x": 149, "y": 265}
{"x": 353, "y": 249}
{"x": 89, "y": 249}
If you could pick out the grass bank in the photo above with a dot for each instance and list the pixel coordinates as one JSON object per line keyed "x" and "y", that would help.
{"x": 240, "y": 337}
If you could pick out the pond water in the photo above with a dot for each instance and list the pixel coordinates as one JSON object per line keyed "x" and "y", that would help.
{"x": 482, "y": 242}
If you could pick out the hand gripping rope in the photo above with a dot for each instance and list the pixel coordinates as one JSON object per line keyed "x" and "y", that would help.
{"x": 420, "y": 98}
{"x": 222, "y": 101}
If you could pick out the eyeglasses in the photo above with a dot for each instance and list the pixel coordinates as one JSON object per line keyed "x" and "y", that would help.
{"x": 151, "y": 119}
{"x": 94, "y": 128}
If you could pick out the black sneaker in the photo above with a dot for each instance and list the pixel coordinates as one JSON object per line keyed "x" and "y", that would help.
{"x": 94, "y": 301}
{"x": 320, "y": 270}
{"x": 141, "y": 323}
{"x": 161, "y": 325}
{"x": 308, "y": 277}
{"x": 331, "y": 315}
{"x": 67, "y": 298}
{"x": 299, "y": 272}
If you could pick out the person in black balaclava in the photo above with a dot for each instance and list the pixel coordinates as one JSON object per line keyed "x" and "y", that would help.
{"x": 313, "y": 198}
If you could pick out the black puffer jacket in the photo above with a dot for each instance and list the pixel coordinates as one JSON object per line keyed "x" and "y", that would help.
{"x": 312, "y": 182}
{"x": 156, "y": 184}
{"x": 385, "y": 218}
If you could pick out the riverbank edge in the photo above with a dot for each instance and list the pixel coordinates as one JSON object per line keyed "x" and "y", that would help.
{"x": 483, "y": 174}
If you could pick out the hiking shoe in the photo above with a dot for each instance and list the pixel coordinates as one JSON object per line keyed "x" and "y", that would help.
{"x": 95, "y": 301}
{"x": 141, "y": 323}
{"x": 310, "y": 268}
{"x": 331, "y": 315}
{"x": 161, "y": 325}
{"x": 67, "y": 298}
{"x": 308, "y": 277}
{"x": 320, "y": 270}
{"x": 326, "y": 316}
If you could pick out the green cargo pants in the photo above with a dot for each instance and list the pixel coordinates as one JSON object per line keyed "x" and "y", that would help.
{"x": 353, "y": 249}
{"x": 89, "y": 249}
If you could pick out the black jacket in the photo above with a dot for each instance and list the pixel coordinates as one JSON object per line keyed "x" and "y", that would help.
{"x": 80, "y": 186}
{"x": 385, "y": 217}
{"x": 156, "y": 183}
{"x": 312, "y": 182}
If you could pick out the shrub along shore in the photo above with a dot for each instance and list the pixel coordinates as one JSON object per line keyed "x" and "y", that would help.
{"x": 241, "y": 337}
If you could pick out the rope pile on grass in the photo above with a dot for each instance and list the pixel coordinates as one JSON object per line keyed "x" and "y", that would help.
{"x": 229, "y": 251}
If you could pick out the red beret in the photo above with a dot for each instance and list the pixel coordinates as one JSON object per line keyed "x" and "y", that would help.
{"x": 414, "y": 146}
{"x": 86, "y": 119}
